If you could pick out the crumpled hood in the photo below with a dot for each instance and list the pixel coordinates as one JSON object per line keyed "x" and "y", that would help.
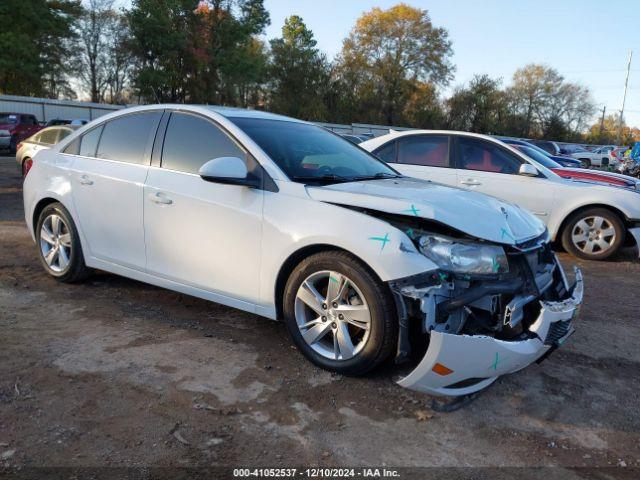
{"x": 473, "y": 213}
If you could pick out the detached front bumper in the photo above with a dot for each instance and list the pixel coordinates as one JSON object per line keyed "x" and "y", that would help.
{"x": 463, "y": 364}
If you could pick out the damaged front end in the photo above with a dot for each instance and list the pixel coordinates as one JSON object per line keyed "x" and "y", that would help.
{"x": 510, "y": 308}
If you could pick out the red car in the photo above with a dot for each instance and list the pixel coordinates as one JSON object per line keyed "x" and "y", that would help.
{"x": 610, "y": 178}
{"x": 15, "y": 127}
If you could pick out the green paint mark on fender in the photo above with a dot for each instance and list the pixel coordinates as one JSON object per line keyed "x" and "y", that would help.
{"x": 384, "y": 240}
{"x": 507, "y": 234}
{"x": 495, "y": 362}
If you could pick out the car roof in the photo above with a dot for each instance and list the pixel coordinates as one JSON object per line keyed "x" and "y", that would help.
{"x": 233, "y": 112}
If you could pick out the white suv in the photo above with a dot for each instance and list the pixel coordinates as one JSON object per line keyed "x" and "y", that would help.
{"x": 287, "y": 220}
{"x": 591, "y": 220}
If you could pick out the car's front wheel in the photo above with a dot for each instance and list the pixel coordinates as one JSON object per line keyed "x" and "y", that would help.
{"x": 59, "y": 245}
{"x": 593, "y": 234}
{"x": 339, "y": 314}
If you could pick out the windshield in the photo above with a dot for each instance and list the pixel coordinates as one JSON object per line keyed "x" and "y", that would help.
{"x": 307, "y": 153}
{"x": 8, "y": 118}
{"x": 537, "y": 156}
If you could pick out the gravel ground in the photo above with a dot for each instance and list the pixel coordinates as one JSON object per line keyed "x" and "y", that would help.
{"x": 115, "y": 373}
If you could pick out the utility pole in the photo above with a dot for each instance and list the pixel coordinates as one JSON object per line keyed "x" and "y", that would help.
{"x": 624, "y": 98}
{"x": 604, "y": 109}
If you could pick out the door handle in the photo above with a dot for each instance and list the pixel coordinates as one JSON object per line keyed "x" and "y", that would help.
{"x": 84, "y": 180}
{"x": 160, "y": 198}
{"x": 470, "y": 182}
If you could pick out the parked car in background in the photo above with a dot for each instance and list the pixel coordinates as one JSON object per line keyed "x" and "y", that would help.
{"x": 60, "y": 121}
{"x": 15, "y": 127}
{"x": 284, "y": 219}
{"x": 581, "y": 174}
{"x": 568, "y": 149}
{"x": 591, "y": 220}
{"x": 44, "y": 139}
{"x": 562, "y": 160}
{"x": 548, "y": 146}
{"x": 352, "y": 138}
{"x": 600, "y": 157}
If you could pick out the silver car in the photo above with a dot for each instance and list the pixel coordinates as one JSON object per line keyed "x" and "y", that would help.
{"x": 44, "y": 139}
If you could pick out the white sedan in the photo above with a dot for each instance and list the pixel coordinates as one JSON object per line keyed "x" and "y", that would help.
{"x": 286, "y": 220}
{"x": 599, "y": 157}
{"x": 592, "y": 221}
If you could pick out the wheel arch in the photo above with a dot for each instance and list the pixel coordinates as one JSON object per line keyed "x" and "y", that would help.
{"x": 298, "y": 256}
{"x": 565, "y": 221}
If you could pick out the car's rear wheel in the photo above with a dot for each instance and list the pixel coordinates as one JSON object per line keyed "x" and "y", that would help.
{"x": 339, "y": 314}
{"x": 593, "y": 234}
{"x": 59, "y": 245}
{"x": 585, "y": 162}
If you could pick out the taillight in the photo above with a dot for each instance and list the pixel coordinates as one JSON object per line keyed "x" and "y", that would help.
{"x": 26, "y": 166}
{"x": 19, "y": 146}
{"x": 614, "y": 154}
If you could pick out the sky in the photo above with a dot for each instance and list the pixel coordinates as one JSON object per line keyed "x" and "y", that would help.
{"x": 587, "y": 41}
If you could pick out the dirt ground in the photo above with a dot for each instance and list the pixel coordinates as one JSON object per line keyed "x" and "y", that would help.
{"x": 118, "y": 373}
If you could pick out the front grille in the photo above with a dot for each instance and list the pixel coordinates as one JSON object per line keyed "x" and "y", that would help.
{"x": 557, "y": 330}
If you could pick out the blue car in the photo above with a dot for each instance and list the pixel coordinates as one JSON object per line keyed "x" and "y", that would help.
{"x": 562, "y": 160}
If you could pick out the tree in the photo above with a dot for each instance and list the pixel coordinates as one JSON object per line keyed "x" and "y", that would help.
{"x": 35, "y": 46}
{"x": 479, "y": 107}
{"x": 299, "y": 73}
{"x": 193, "y": 51}
{"x": 96, "y": 30}
{"x": 386, "y": 57}
{"x": 541, "y": 97}
{"x": 608, "y": 132}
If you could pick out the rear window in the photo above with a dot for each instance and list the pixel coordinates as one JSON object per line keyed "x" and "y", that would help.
{"x": 8, "y": 118}
{"x": 125, "y": 138}
{"x": 49, "y": 137}
{"x": 425, "y": 150}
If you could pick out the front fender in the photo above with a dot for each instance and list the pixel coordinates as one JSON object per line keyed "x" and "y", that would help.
{"x": 290, "y": 226}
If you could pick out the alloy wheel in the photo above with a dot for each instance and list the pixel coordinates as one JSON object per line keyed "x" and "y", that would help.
{"x": 55, "y": 242}
{"x": 332, "y": 315}
{"x": 593, "y": 235}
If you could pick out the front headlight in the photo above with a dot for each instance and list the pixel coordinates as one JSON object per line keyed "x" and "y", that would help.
{"x": 461, "y": 257}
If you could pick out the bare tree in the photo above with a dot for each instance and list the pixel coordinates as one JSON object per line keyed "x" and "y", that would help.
{"x": 95, "y": 31}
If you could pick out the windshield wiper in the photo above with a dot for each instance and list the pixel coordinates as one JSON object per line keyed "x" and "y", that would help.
{"x": 327, "y": 178}
{"x": 377, "y": 176}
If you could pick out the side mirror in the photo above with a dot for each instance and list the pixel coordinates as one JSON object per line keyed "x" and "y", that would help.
{"x": 528, "y": 170}
{"x": 227, "y": 170}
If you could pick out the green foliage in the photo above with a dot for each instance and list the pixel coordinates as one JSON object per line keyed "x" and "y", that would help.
{"x": 202, "y": 52}
{"x": 35, "y": 46}
{"x": 481, "y": 107}
{"x": 386, "y": 58}
{"x": 299, "y": 73}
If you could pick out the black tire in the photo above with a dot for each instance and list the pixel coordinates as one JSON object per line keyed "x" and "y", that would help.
{"x": 612, "y": 218}
{"x": 384, "y": 324}
{"x": 76, "y": 270}
{"x": 586, "y": 163}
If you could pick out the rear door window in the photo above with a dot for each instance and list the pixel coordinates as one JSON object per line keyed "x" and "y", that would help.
{"x": 89, "y": 142}
{"x": 191, "y": 141}
{"x": 483, "y": 156}
{"x": 425, "y": 150}
{"x": 124, "y": 139}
